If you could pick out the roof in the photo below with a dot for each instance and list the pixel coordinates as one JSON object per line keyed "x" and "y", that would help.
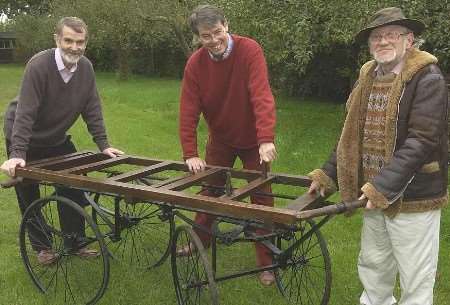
{"x": 7, "y": 35}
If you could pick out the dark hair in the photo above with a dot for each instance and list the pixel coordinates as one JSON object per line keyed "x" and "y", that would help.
{"x": 207, "y": 15}
{"x": 74, "y": 23}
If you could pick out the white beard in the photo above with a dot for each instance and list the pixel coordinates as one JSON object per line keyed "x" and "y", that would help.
{"x": 69, "y": 58}
{"x": 387, "y": 60}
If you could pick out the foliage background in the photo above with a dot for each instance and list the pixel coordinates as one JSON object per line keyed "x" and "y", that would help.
{"x": 308, "y": 44}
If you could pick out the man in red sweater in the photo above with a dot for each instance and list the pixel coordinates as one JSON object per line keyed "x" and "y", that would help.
{"x": 226, "y": 80}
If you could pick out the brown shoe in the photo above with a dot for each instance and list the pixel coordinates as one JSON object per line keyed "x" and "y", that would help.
{"x": 47, "y": 257}
{"x": 87, "y": 253}
{"x": 267, "y": 278}
{"x": 186, "y": 250}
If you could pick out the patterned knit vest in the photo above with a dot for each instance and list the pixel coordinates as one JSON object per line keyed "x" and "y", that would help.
{"x": 374, "y": 127}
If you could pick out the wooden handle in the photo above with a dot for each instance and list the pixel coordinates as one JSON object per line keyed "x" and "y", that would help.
{"x": 338, "y": 208}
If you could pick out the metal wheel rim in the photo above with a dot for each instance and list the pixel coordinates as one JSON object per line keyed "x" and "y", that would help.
{"x": 142, "y": 245}
{"x": 66, "y": 272}
{"x": 198, "y": 269}
{"x": 306, "y": 280}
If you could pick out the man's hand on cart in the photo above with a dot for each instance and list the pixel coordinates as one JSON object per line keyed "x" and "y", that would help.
{"x": 9, "y": 166}
{"x": 267, "y": 152}
{"x": 315, "y": 187}
{"x": 369, "y": 205}
{"x": 112, "y": 152}
{"x": 195, "y": 164}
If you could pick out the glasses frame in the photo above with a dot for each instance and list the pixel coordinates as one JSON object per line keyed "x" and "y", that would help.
{"x": 373, "y": 39}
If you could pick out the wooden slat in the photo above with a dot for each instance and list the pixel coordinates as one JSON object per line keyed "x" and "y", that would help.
{"x": 41, "y": 162}
{"x": 86, "y": 168}
{"x": 250, "y": 187}
{"x": 169, "y": 181}
{"x": 143, "y": 161}
{"x": 218, "y": 206}
{"x": 142, "y": 172}
{"x": 293, "y": 180}
{"x": 304, "y": 202}
{"x": 192, "y": 179}
{"x": 69, "y": 162}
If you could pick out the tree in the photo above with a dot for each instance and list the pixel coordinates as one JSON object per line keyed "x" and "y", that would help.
{"x": 30, "y": 40}
{"x": 13, "y": 8}
{"x": 110, "y": 25}
{"x": 124, "y": 27}
{"x": 308, "y": 44}
{"x": 172, "y": 14}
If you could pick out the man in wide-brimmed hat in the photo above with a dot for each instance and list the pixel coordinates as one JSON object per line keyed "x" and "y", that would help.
{"x": 393, "y": 153}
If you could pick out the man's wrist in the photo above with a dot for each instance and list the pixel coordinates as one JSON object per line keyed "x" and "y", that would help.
{"x": 187, "y": 157}
{"x": 265, "y": 140}
{"x": 19, "y": 154}
{"x": 102, "y": 145}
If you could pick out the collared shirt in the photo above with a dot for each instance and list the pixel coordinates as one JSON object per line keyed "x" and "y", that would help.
{"x": 66, "y": 74}
{"x": 227, "y": 50}
{"x": 396, "y": 70}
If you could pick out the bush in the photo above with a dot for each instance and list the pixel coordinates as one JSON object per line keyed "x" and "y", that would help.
{"x": 34, "y": 34}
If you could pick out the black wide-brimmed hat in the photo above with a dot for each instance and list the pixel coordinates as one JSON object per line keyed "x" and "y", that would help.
{"x": 389, "y": 16}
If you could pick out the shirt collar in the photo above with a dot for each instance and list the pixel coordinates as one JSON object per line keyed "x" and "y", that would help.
{"x": 396, "y": 70}
{"x": 60, "y": 63}
{"x": 227, "y": 52}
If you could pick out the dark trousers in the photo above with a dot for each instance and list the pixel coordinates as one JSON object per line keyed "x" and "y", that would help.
{"x": 220, "y": 154}
{"x": 72, "y": 223}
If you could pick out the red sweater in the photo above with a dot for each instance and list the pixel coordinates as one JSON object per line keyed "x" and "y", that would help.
{"x": 233, "y": 95}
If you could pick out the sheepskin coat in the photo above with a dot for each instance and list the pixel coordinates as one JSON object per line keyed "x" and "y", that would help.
{"x": 414, "y": 177}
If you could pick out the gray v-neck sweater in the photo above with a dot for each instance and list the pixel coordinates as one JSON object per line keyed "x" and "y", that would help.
{"x": 47, "y": 107}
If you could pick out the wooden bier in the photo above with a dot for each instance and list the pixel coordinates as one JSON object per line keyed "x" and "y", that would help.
{"x": 73, "y": 171}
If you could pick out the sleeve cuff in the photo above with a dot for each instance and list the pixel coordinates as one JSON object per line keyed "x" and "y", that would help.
{"x": 266, "y": 140}
{"x": 102, "y": 145}
{"x": 375, "y": 196}
{"x": 324, "y": 180}
{"x": 18, "y": 154}
{"x": 185, "y": 157}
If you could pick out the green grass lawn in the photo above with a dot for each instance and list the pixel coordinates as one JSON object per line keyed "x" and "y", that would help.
{"x": 141, "y": 119}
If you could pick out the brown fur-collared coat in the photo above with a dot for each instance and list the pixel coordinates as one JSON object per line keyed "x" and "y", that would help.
{"x": 414, "y": 177}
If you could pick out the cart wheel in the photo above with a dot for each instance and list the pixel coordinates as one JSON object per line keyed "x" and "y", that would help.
{"x": 192, "y": 275}
{"x": 141, "y": 231}
{"x": 68, "y": 278}
{"x": 305, "y": 278}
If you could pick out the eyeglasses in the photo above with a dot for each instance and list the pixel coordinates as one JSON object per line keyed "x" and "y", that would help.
{"x": 205, "y": 37}
{"x": 389, "y": 37}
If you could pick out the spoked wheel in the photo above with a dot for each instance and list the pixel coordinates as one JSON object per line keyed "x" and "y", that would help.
{"x": 66, "y": 274}
{"x": 141, "y": 232}
{"x": 305, "y": 277}
{"x": 192, "y": 274}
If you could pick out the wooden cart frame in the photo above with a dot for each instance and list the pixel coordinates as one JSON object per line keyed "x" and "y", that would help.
{"x": 132, "y": 218}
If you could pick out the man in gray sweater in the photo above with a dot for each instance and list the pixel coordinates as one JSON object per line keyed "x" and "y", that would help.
{"x": 57, "y": 87}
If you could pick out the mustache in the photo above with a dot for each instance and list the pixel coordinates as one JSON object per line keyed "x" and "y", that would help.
{"x": 74, "y": 53}
{"x": 72, "y": 56}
